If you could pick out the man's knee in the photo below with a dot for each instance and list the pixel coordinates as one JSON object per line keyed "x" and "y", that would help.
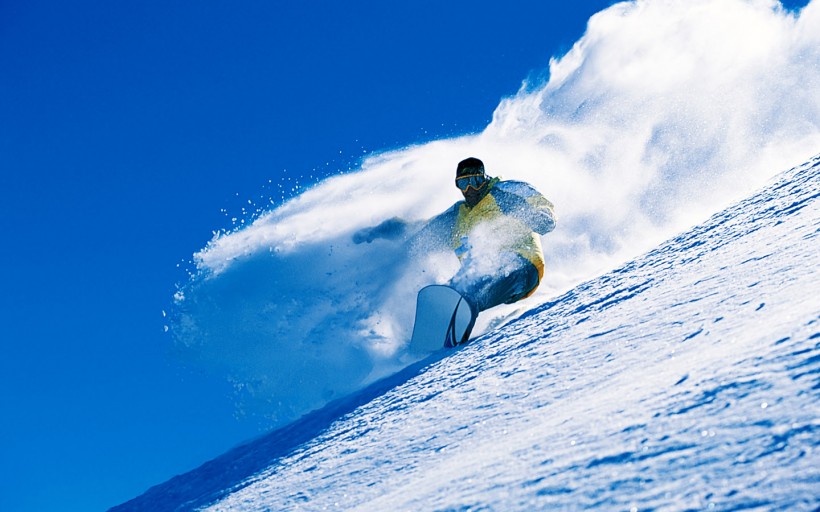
{"x": 486, "y": 292}
{"x": 526, "y": 281}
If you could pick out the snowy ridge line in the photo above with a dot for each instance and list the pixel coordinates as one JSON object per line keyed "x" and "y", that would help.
{"x": 685, "y": 379}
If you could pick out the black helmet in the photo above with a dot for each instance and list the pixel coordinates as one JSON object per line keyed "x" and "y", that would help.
{"x": 470, "y": 166}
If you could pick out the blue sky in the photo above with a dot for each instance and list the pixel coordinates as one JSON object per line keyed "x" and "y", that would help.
{"x": 129, "y": 130}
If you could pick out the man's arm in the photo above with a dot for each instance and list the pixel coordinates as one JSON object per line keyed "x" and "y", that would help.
{"x": 436, "y": 231}
{"x": 389, "y": 229}
{"x": 521, "y": 201}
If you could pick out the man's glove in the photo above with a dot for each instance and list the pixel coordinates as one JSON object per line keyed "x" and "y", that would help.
{"x": 389, "y": 229}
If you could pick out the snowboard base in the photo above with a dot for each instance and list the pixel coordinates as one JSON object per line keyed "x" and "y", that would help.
{"x": 443, "y": 319}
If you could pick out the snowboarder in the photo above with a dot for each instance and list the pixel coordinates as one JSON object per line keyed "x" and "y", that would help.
{"x": 494, "y": 232}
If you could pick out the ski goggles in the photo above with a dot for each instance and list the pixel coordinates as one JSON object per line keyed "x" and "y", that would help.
{"x": 471, "y": 181}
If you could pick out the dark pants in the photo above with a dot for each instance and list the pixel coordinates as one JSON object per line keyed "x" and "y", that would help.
{"x": 516, "y": 279}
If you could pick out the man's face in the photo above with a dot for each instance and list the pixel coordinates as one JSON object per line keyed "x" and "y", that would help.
{"x": 472, "y": 197}
{"x": 472, "y": 186}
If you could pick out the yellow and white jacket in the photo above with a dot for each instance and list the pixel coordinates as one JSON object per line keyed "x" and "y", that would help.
{"x": 509, "y": 217}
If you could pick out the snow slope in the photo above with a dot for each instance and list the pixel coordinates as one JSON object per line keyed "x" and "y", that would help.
{"x": 687, "y": 379}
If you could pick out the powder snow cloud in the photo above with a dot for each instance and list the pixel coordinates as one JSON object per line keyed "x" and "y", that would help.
{"x": 661, "y": 114}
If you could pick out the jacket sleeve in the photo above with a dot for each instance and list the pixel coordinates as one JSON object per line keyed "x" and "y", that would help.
{"x": 521, "y": 201}
{"x": 434, "y": 232}
{"x": 389, "y": 230}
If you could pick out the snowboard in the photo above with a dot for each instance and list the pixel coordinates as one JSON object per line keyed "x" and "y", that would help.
{"x": 443, "y": 319}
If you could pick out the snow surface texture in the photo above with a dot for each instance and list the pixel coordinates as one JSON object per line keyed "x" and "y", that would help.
{"x": 663, "y": 113}
{"x": 687, "y": 379}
